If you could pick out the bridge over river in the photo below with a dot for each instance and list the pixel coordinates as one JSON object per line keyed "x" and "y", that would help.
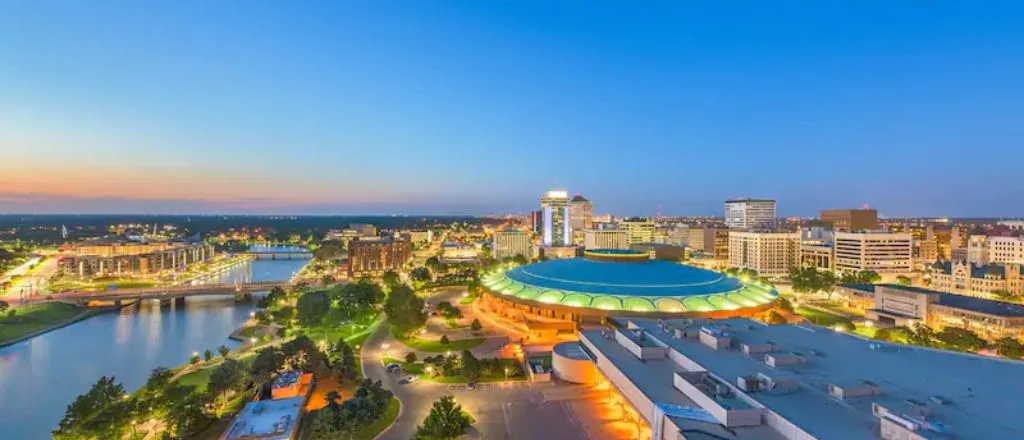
{"x": 163, "y": 292}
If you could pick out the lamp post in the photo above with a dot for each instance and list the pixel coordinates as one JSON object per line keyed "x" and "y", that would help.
{"x": 506, "y": 374}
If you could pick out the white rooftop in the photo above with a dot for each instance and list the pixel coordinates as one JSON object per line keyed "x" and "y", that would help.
{"x": 266, "y": 420}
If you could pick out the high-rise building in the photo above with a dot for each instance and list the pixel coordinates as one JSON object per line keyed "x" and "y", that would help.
{"x": 510, "y": 242}
{"x": 641, "y": 230}
{"x": 851, "y": 219}
{"x": 537, "y": 221}
{"x": 581, "y": 213}
{"x": 376, "y": 255}
{"x": 749, "y": 213}
{"x": 557, "y": 227}
{"x": 710, "y": 240}
{"x": 606, "y": 239}
{"x": 882, "y": 252}
{"x": 769, "y": 254}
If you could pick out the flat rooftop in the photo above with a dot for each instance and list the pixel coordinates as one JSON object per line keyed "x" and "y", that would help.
{"x": 982, "y": 394}
{"x": 653, "y": 377}
{"x": 981, "y": 305}
{"x": 266, "y": 420}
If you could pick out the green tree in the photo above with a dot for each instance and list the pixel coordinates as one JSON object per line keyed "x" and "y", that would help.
{"x": 410, "y": 357}
{"x": 785, "y": 305}
{"x": 470, "y": 366}
{"x": 404, "y": 309}
{"x": 267, "y": 363}
{"x": 224, "y": 351}
{"x": 228, "y": 377}
{"x": 345, "y": 365}
{"x": 903, "y": 280}
{"x": 208, "y": 355}
{"x": 883, "y": 334}
{"x": 476, "y": 326}
{"x": 312, "y": 306}
{"x": 1001, "y": 294}
{"x": 329, "y": 250}
{"x": 433, "y": 263}
{"x": 774, "y": 317}
{"x": 421, "y": 274}
{"x": 444, "y": 339}
{"x": 959, "y": 338}
{"x": 445, "y": 421}
{"x": 520, "y": 259}
{"x": 1009, "y": 347}
{"x": 194, "y": 359}
{"x": 390, "y": 279}
{"x": 4, "y": 306}
{"x": 187, "y": 414}
{"x": 84, "y": 417}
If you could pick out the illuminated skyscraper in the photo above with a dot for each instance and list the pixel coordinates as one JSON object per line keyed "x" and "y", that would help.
{"x": 557, "y": 228}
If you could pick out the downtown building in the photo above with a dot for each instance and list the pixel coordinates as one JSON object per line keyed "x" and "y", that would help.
{"x": 878, "y": 251}
{"x": 121, "y": 256}
{"x": 640, "y": 230}
{"x": 606, "y": 239}
{"x": 978, "y": 280}
{"x": 770, "y": 254}
{"x": 509, "y": 242}
{"x": 372, "y": 256}
{"x": 556, "y": 219}
{"x": 581, "y": 217}
{"x": 851, "y": 219}
{"x": 749, "y": 213}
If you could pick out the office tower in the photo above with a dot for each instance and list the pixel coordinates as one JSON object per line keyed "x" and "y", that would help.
{"x": 851, "y": 219}
{"x": 749, "y": 213}
{"x": 580, "y": 217}
{"x": 767, "y": 253}
{"x": 882, "y": 252}
{"x": 557, "y": 229}
{"x": 640, "y": 230}
{"x": 376, "y": 255}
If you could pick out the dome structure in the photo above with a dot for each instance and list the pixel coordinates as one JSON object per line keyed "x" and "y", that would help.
{"x": 619, "y": 281}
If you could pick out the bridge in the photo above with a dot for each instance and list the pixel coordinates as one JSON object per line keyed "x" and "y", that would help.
{"x": 280, "y": 255}
{"x": 163, "y": 292}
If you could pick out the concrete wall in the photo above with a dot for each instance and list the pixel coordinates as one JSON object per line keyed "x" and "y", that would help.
{"x": 732, "y": 418}
{"x": 641, "y": 352}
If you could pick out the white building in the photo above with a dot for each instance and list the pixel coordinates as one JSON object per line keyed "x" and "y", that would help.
{"x": 510, "y": 242}
{"x": 1005, "y": 250}
{"x": 557, "y": 229}
{"x": 977, "y": 249}
{"x": 1016, "y": 225}
{"x": 606, "y": 239}
{"x": 770, "y": 254}
{"x": 641, "y": 230}
{"x": 748, "y": 213}
{"x": 882, "y": 252}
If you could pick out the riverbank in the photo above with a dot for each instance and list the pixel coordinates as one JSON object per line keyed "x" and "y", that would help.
{"x": 33, "y": 320}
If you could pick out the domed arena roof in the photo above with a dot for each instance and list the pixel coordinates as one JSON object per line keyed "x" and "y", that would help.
{"x": 651, "y": 285}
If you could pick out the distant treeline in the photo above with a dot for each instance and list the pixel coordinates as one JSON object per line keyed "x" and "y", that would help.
{"x": 46, "y": 229}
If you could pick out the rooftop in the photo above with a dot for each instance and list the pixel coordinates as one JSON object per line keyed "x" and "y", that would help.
{"x": 980, "y": 305}
{"x": 652, "y": 277}
{"x": 266, "y": 420}
{"x": 977, "y": 405}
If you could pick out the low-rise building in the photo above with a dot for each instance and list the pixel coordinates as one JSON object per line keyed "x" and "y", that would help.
{"x": 606, "y": 239}
{"x": 639, "y": 230}
{"x": 739, "y": 379}
{"x": 851, "y": 219}
{"x": 457, "y": 252}
{"x": 879, "y": 251}
{"x": 904, "y": 306}
{"x": 119, "y": 256}
{"x": 819, "y": 255}
{"x": 710, "y": 240}
{"x": 976, "y": 279}
{"x": 1005, "y": 250}
{"x": 770, "y": 254}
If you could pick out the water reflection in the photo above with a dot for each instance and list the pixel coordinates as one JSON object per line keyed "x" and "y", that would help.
{"x": 40, "y": 377}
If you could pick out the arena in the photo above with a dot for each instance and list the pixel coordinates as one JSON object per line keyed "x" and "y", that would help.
{"x": 624, "y": 283}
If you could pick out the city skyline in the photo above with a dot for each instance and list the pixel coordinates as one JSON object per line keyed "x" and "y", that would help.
{"x": 323, "y": 108}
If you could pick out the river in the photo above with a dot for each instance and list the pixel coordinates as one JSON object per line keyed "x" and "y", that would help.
{"x": 41, "y": 376}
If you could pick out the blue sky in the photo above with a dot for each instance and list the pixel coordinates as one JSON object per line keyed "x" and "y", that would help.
{"x": 477, "y": 107}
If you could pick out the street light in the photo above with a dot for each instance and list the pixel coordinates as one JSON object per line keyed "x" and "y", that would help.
{"x": 506, "y": 374}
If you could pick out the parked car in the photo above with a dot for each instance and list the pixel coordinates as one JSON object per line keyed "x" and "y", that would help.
{"x": 408, "y": 379}
{"x": 393, "y": 367}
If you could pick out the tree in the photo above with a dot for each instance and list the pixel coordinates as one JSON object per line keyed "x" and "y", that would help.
{"x": 4, "y": 306}
{"x": 445, "y": 421}
{"x": 421, "y": 274}
{"x": 345, "y": 365}
{"x": 410, "y": 357}
{"x": 208, "y": 355}
{"x": 959, "y": 338}
{"x": 1001, "y": 294}
{"x": 883, "y": 334}
{"x": 404, "y": 309}
{"x": 81, "y": 416}
{"x": 433, "y": 263}
{"x": 390, "y": 279}
{"x": 228, "y": 377}
{"x": 476, "y": 326}
{"x": 444, "y": 339}
{"x": 1009, "y": 347}
{"x": 921, "y": 335}
{"x": 520, "y": 259}
{"x": 312, "y": 306}
{"x": 470, "y": 366}
{"x": 187, "y": 415}
{"x": 785, "y": 305}
{"x": 267, "y": 363}
{"x": 302, "y": 354}
{"x": 327, "y": 280}
{"x": 329, "y": 250}
{"x": 448, "y": 311}
{"x": 903, "y": 280}
{"x": 224, "y": 351}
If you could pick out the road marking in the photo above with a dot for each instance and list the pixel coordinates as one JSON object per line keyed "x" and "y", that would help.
{"x": 508, "y": 426}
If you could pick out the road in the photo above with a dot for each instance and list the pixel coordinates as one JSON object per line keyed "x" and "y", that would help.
{"x": 32, "y": 281}
{"x": 511, "y": 411}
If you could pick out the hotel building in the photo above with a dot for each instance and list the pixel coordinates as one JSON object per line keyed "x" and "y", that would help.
{"x": 739, "y": 379}
{"x": 770, "y": 254}
{"x": 882, "y": 252}
{"x": 510, "y": 242}
{"x": 372, "y": 256}
{"x": 749, "y": 213}
{"x": 556, "y": 219}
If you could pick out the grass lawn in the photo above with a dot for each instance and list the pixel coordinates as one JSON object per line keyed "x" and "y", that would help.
{"x": 436, "y": 346}
{"x": 821, "y": 318}
{"x": 418, "y": 369}
{"x": 66, "y": 285}
{"x": 467, "y": 300}
{"x": 201, "y": 377}
{"x": 34, "y": 318}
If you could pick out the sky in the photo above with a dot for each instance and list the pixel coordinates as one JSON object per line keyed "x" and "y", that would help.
{"x": 474, "y": 107}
